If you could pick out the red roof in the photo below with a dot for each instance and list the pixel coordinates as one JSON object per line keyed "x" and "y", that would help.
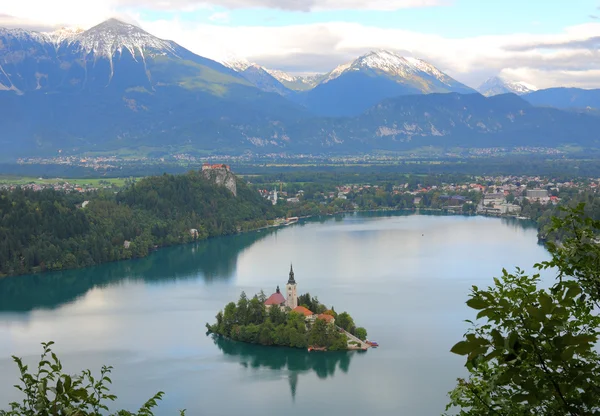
{"x": 326, "y": 318}
{"x": 302, "y": 310}
{"x": 275, "y": 299}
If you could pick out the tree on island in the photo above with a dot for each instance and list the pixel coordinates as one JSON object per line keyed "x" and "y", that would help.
{"x": 250, "y": 321}
{"x": 360, "y": 333}
{"x": 533, "y": 352}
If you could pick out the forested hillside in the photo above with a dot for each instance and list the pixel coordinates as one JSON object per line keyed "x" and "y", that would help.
{"x": 51, "y": 230}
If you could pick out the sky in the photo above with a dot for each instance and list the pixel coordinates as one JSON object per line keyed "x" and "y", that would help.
{"x": 545, "y": 43}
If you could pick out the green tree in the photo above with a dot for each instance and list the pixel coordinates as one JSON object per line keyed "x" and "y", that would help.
{"x": 242, "y": 309}
{"x": 318, "y": 335}
{"x": 345, "y": 321}
{"x": 534, "y": 350}
{"x": 277, "y": 316}
{"x": 360, "y": 333}
{"x": 256, "y": 311}
{"x": 229, "y": 318}
{"x": 50, "y": 392}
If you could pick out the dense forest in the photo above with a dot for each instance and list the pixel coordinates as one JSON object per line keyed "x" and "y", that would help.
{"x": 250, "y": 321}
{"x": 52, "y": 230}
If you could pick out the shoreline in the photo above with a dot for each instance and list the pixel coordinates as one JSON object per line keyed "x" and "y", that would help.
{"x": 306, "y": 217}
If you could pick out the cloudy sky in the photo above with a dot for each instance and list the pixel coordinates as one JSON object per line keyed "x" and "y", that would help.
{"x": 542, "y": 42}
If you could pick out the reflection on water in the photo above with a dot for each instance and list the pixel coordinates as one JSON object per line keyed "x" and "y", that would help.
{"x": 210, "y": 259}
{"x": 214, "y": 259}
{"x": 293, "y": 361}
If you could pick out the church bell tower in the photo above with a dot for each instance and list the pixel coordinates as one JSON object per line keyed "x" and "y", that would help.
{"x": 290, "y": 288}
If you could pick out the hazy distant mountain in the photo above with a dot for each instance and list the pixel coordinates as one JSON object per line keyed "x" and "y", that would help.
{"x": 448, "y": 120}
{"x": 352, "y": 88}
{"x": 565, "y": 98}
{"x": 497, "y": 85}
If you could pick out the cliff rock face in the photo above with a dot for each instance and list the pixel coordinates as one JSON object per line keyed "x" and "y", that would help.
{"x": 222, "y": 177}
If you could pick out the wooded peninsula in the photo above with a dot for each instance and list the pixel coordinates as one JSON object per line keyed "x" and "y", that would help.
{"x": 53, "y": 230}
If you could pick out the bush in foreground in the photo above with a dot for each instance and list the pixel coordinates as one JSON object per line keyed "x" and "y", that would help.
{"x": 50, "y": 392}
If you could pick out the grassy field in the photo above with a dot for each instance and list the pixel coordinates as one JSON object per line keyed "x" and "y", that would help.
{"x": 90, "y": 182}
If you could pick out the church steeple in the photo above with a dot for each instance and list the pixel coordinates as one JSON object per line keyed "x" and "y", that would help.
{"x": 291, "y": 290}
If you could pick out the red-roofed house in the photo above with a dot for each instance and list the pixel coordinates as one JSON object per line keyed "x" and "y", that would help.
{"x": 304, "y": 311}
{"x": 327, "y": 318}
{"x": 275, "y": 299}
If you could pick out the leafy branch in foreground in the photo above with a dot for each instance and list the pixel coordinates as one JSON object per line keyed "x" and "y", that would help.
{"x": 533, "y": 350}
{"x": 50, "y": 392}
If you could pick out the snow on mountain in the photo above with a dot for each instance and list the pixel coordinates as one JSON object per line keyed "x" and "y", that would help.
{"x": 113, "y": 36}
{"x": 103, "y": 40}
{"x": 22, "y": 35}
{"x": 296, "y": 82}
{"x": 64, "y": 34}
{"x": 497, "y": 85}
{"x": 282, "y": 75}
{"x": 392, "y": 64}
{"x": 235, "y": 62}
{"x": 293, "y": 82}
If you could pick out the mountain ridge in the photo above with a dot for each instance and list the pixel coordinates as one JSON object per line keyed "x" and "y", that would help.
{"x": 117, "y": 88}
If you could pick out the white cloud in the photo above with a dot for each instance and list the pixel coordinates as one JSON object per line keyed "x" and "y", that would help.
{"x": 298, "y": 5}
{"x": 321, "y": 47}
{"x": 56, "y": 13}
{"x": 568, "y": 57}
{"x": 546, "y": 79}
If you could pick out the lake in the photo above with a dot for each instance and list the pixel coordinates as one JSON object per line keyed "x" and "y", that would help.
{"x": 404, "y": 277}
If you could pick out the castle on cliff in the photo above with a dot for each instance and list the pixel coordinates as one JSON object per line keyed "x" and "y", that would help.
{"x": 208, "y": 166}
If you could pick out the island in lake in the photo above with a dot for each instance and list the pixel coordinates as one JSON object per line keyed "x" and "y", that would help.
{"x": 296, "y": 322}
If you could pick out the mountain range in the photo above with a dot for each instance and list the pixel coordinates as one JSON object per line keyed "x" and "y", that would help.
{"x": 117, "y": 88}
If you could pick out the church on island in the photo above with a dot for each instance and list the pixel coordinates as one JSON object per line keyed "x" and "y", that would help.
{"x": 277, "y": 299}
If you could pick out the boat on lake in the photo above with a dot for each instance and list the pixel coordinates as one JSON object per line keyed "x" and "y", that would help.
{"x": 311, "y": 348}
{"x": 373, "y": 344}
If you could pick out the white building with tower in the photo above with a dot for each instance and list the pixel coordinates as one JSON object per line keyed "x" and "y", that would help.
{"x": 290, "y": 288}
{"x": 291, "y": 291}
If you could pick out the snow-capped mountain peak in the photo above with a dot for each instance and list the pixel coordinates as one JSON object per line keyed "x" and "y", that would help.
{"x": 390, "y": 63}
{"x": 115, "y": 36}
{"x": 498, "y": 85}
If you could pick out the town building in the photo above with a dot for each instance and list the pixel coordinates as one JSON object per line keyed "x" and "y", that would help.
{"x": 308, "y": 314}
{"x": 327, "y": 318}
{"x": 541, "y": 194}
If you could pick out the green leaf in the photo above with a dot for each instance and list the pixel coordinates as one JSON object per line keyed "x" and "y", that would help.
{"x": 573, "y": 291}
{"x": 463, "y": 348}
{"x": 477, "y": 303}
{"x": 488, "y": 313}
{"x": 545, "y": 303}
{"x": 497, "y": 337}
